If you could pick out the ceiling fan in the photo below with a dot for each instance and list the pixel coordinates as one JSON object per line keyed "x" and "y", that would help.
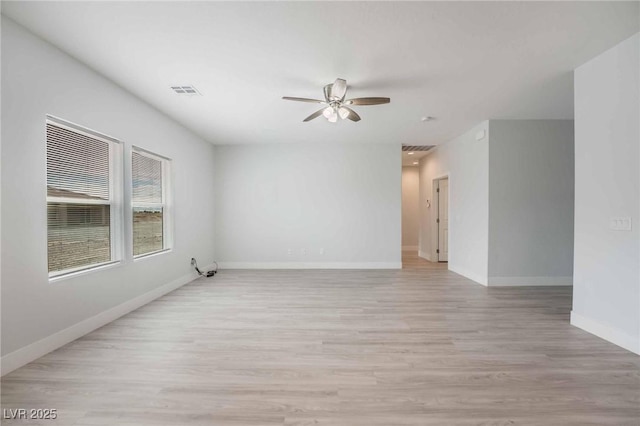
{"x": 337, "y": 106}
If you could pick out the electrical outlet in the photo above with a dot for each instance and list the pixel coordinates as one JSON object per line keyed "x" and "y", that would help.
{"x": 303, "y": 251}
{"x": 321, "y": 251}
{"x": 289, "y": 252}
{"x": 620, "y": 223}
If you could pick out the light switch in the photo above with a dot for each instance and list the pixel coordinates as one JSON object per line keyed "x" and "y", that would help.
{"x": 620, "y": 223}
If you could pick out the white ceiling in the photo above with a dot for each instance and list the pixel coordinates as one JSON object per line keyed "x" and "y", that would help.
{"x": 408, "y": 160}
{"x": 459, "y": 62}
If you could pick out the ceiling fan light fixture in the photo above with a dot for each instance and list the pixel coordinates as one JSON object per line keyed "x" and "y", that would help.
{"x": 334, "y": 98}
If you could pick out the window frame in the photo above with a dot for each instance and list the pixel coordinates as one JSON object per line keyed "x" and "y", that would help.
{"x": 114, "y": 202}
{"x": 166, "y": 205}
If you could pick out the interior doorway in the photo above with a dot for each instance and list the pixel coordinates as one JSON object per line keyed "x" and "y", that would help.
{"x": 442, "y": 218}
{"x": 411, "y": 207}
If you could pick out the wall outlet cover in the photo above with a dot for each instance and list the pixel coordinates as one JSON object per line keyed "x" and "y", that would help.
{"x": 620, "y": 223}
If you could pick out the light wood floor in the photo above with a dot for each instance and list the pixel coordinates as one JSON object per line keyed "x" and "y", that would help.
{"x": 411, "y": 260}
{"x": 362, "y": 348}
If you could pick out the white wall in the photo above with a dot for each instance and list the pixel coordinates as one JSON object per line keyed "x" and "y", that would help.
{"x": 465, "y": 160}
{"x": 38, "y": 79}
{"x": 606, "y": 291}
{"x": 342, "y": 199}
{"x": 510, "y": 202}
{"x": 410, "y": 207}
{"x": 531, "y": 195}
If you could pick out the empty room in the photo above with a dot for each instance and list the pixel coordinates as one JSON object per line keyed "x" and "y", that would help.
{"x": 320, "y": 213}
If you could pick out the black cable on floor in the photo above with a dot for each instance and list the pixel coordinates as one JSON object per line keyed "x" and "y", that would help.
{"x": 210, "y": 273}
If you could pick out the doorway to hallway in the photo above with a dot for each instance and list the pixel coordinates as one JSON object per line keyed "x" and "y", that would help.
{"x": 442, "y": 220}
{"x": 412, "y": 210}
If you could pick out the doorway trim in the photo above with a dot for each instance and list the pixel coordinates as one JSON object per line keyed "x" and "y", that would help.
{"x": 435, "y": 208}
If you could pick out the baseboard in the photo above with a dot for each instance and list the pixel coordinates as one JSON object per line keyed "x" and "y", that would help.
{"x": 33, "y": 351}
{"x": 409, "y": 248}
{"x": 424, "y": 255}
{"x": 529, "y": 281}
{"x": 468, "y": 274}
{"x": 606, "y": 332}
{"x": 310, "y": 265}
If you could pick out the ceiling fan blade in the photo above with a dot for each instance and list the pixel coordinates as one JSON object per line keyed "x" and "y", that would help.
{"x": 367, "y": 101}
{"x": 327, "y": 92}
{"x": 314, "y": 101}
{"x": 353, "y": 116}
{"x": 314, "y": 115}
{"x": 339, "y": 89}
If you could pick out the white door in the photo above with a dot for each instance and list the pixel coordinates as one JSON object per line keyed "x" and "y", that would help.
{"x": 443, "y": 220}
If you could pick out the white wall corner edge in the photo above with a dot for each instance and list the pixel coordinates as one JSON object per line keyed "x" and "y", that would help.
{"x": 529, "y": 281}
{"x": 606, "y": 332}
{"x": 35, "y": 350}
{"x": 425, "y": 255}
{"x": 309, "y": 265}
{"x": 468, "y": 274}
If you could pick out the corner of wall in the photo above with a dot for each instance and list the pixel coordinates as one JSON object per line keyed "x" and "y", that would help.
{"x": 424, "y": 254}
{"x": 473, "y": 276}
{"x": 606, "y": 332}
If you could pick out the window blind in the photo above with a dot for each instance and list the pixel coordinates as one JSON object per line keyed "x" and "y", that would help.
{"x": 148, "y": 204}
{"x": 77, "y": 165}
{"x": 147, "y": 179}
{"x": 78, "y": 200}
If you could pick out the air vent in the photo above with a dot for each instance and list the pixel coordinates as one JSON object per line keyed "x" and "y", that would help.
{"x": 185, "y": 90}
{"x": 416, "y": 148}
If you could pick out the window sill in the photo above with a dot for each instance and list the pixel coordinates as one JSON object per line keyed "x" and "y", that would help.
{"x": 84, "y": 271}
{"x": 152, "y": 254}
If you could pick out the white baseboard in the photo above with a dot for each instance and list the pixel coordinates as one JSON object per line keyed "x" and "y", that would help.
{"x": 468, "y": 274}
{"x": 409, "y": 248}
{"x": 606, "y": 332}
{"x": 33, "y": 351}
{"x": 529, "y": 281}
{"x": 310, "y": 265}
{"x": 424, "y": 255}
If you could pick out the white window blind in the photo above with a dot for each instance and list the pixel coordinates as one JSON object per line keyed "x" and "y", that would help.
{"x": 79, "y": 199}
{"x": 149, "y": 208}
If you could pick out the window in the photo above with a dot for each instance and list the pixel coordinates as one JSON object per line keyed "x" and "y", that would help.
{"x": 149, "y": 178}
{"x": 85, "y": 198}
{"x": 81, "y": 216}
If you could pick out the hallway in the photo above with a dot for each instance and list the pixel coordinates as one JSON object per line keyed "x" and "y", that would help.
{"x": 411, "y": 260}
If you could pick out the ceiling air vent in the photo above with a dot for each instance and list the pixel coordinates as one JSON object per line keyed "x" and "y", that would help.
{"x": 416, "y": 148}
{"x": 185, "y": 90}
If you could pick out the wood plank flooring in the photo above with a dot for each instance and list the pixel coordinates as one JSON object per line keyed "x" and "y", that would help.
{"x": 418, "y": 346}
{"x": 411, "y": 260}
